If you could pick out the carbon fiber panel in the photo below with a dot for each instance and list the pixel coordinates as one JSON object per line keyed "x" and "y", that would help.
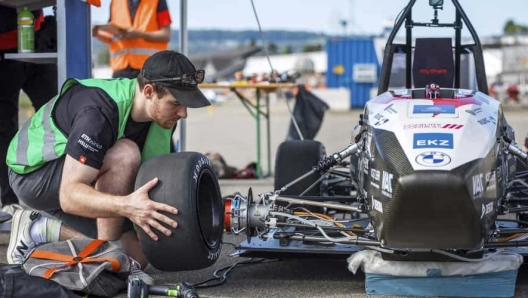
{"x": 431, "y": 209}
{"x": 389, "y": 150}
{"x": 426, "y": 209}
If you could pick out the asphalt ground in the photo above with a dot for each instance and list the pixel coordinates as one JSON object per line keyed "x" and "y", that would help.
{"x": 230, "y": 130}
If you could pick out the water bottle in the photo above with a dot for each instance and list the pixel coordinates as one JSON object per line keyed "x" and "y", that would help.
{"x": 26, "y": 31}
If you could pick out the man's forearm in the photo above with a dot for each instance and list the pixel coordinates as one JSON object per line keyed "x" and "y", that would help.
{"x": 162, "y": 35}
{"x": 83, "y": 200}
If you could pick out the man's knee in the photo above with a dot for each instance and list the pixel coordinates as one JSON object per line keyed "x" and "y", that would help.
{"x": 124, "y": 155}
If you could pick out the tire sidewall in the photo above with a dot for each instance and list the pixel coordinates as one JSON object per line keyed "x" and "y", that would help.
{"x": 180, "y": 175}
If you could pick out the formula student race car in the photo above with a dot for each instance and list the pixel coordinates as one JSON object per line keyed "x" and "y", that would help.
{"x": 431, "y": 173}
{"x": 430, "y": 169}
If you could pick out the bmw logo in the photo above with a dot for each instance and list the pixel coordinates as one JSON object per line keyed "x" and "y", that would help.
{"x": 433, "y": 159}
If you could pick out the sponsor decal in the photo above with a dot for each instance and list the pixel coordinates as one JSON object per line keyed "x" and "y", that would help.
{"x": 375, "y": 174}
{"x": 89, "y": 144}
{"x": 82, "y": 159}
{"x": 381, "y": 119}
{"x": 432, "y": 125}
{"x": 374, "y": 184}
{"x": 389, "y": 109}
{"x": 474, "y": 112}
{"x": 492, "y": 120}
{"x": 453, "y": 126}
{"x": 433, "y": 140}
{"x": 489, "y": 207}
{"x": 377, "y": 205}
{"x": 431, "y": 71}
{"x": 486, "y": 209}
{"x": 478, "y": 186}
{"x": 386, "y": 184}
{"x": 483, "y": 121}
{"x": 433, "y": 159}
{"x": 422, "y": 125}
{"x": 432, "y": 109}
{"x": 490, "y": 181}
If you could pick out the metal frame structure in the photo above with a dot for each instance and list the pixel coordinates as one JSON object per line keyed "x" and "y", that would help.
{"x": 459, "y": 48}
{"x": 73, "y": 56}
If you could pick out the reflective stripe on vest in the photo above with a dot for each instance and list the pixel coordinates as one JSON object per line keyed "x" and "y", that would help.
{"x": 48, "y": 151}
{"x": 137, "y": 51}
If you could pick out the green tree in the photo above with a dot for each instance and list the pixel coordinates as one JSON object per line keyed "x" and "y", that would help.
{"x": 312, "y": 48}
{"x": 252, "y": 42}
{"x": 272, "y": 48}
{"x": 511, "y": 27}
{"x": 287, "y": 50}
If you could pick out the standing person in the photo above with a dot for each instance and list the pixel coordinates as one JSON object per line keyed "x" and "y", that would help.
{"x": 78, "y": 157}
{"x": 136, "y": 30}
{"x": 38, "y": 81}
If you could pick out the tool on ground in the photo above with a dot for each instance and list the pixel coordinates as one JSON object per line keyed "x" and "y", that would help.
{"x": 138, "y": 289}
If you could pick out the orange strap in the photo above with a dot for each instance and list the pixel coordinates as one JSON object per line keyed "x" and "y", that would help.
{"x": 82, "y": 257}
{"x": 94, "y": 2}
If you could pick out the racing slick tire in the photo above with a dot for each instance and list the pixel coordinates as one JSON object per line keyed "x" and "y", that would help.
{"x": 186, "y": 180}
{"x": 295, "y": 158}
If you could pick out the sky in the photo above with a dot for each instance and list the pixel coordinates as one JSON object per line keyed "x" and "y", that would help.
{"x": 363, "y": 16}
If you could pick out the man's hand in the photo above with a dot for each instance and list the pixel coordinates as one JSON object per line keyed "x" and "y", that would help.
{"x": 102, "y": 33}
{"x": 131, "y": 33}
{"x": 145, "y": 213}
{"x": 95, "y": 31}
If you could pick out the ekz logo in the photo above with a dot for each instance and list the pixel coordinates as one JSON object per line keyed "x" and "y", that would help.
{"x": 433, "y": 140}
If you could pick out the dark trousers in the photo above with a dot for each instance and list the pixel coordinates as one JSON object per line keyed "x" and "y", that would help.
{"x": 39, "y": 82}
{"x": 128, "y": 73}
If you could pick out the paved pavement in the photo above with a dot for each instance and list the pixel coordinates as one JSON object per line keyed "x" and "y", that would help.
{"x": 229, "y": 130}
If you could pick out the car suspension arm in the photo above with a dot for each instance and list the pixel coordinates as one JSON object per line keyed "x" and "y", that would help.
{"x": 325, "y": 164}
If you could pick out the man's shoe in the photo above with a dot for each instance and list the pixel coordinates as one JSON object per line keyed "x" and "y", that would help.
{"x": 136, "y": 271}
{"x": 11, "y": 208}
{"x": 20, "y": 242}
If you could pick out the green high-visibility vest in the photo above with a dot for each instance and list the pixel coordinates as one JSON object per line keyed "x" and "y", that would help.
{"x": 40, "y": 140}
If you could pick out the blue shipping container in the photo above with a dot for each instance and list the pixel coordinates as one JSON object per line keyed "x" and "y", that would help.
{"x": 353, "y": 64}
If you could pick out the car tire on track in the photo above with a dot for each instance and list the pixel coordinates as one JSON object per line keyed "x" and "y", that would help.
{"x": 295, "y": 158}
{"x": 187, "y": 182}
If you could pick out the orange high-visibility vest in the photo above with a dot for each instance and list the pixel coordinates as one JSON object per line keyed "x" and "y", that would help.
{"x": 133, "y": 52}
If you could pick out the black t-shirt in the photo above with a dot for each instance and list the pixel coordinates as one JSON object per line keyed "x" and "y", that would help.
{"x": 90, "y": 120}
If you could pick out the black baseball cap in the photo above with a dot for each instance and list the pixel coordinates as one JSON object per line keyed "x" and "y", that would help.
{"x": 176, "y": 72}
